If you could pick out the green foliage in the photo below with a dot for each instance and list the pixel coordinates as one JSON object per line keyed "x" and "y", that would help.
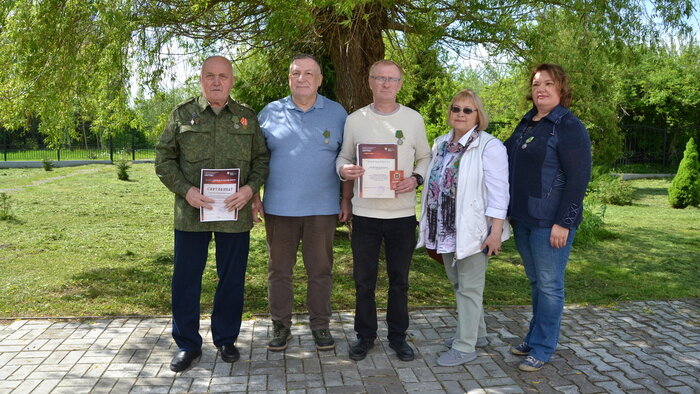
{"x": 68, "y": 63}
{"x": 591, "y": 229}
{"x": 47, "y": 164}
{"x": 5, "y": 207}
{"x": 661, "y": 90}
{"x": 610, "y": 189}
{"x": 123, "y": 170}
{"x": 685, "y": 187}
{"x": 63, "y": 58}
{"x": 152, "y": 113}
{"x": 591, "y": 58}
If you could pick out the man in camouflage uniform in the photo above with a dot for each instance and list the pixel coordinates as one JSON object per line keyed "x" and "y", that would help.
{"x": 210, "y": 131}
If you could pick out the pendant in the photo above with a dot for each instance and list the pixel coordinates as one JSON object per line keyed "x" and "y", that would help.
{"x": 326, "y": 140}
{"x": 237, "y": 126}
{"x": 524, "y": 146}
{"x": 399, "y": 141}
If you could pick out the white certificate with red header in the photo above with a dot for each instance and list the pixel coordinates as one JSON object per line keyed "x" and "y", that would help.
{"x": 218, "y": 184}
{"x": 379, "y": 162}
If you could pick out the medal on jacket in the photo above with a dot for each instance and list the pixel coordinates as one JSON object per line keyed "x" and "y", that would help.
{"x": 238, "y": 122}
{"x": 326, "y": 136}
{"x": 399, "y": 137}
{"x": 527, "y": 141}
{"x": 195, "y": 119}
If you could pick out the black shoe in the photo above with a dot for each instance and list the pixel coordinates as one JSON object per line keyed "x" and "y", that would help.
{"x": 403, "y": 350}
{"x": 183, "y": 359}
{"x": 229, "y": 353}
{"x": 359, "y": 348}
{"x": 280, "y": 336}
{"x": 323, "y": 339}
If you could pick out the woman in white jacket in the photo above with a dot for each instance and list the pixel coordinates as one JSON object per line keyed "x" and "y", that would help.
{"x": 463, "y": 213}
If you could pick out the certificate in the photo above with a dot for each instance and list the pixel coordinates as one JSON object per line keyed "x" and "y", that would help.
{"x": 218, "y": 185}
{"x": 379, "y": 162}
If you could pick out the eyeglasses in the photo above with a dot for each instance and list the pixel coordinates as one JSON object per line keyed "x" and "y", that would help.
{"x": 385, "y": 79}
{"x": 466, "y": 110}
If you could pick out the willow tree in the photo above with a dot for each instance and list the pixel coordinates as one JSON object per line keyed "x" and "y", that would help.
{"x": 65, "y": 56}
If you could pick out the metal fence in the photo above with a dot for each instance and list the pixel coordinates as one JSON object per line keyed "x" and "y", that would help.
{"x": 651, "y": 145}
{"x": 110, "y": 152}
{"x": 89, "y": 153}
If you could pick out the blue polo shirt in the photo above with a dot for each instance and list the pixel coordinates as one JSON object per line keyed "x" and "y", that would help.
{"x": 302, "y": 179}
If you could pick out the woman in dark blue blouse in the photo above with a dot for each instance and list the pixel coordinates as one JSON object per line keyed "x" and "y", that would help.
{"x": 549, "y": 157}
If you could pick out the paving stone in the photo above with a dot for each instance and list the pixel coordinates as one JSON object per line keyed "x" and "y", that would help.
{"x": 636, "y": 347}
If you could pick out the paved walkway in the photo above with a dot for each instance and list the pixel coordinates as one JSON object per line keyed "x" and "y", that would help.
{"x": 633, "y": 347}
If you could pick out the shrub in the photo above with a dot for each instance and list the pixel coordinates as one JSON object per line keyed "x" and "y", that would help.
{"x": 591, "y": 228}
{"x": 5, "y": 207}
{"x": 685, "y": 187}
{"x": 123, "y": 170}
{"x": 610, "y": 189}
{"x": 47, "y": 164}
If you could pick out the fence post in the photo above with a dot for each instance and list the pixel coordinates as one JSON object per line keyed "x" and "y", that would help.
{"x": 133, "y": 145}
{"x": 4, "y": 145}
{"x": 111, "y": 149}
{"x": 58, "y": 154}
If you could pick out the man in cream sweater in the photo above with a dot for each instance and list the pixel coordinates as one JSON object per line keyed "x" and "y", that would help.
{"x": 392, "y": 220}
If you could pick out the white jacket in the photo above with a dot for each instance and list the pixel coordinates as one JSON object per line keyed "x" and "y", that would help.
{"x": 472, "y": 224}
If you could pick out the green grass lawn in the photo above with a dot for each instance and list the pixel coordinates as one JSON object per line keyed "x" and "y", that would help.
{"x": 83, "y": 243}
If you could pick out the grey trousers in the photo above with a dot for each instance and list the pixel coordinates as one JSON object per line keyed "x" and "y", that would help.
{"x": 468, "y": 277}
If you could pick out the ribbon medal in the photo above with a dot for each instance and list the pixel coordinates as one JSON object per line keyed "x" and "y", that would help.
{"x": 399, "y": 137}
{"x": 238, "y": 122}
{"x": 326, "y": 136}
{"x": 527, "y": 141}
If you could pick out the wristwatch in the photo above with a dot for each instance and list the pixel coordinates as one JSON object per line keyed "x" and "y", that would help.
{"x": 419, "y": 178}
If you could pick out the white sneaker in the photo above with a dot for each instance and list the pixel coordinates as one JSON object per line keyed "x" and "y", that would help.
{"x": 454, "y": 357}
{"x": 480, "y": 342}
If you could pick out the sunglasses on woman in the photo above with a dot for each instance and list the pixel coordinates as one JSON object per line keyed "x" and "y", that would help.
{"x": 465, "y": 110}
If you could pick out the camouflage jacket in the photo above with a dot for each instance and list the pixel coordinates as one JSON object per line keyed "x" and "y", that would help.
{"x": 195, "y": 138}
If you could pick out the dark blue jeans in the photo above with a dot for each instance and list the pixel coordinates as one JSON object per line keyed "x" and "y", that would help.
{"x": 191, "y": 249}
{"x": 545, "y": 267}
{"x": 399, "y": 236}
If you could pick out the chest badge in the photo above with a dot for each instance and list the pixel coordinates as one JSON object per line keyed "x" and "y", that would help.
{"x": 527, "y": 141}
{"x": 326, "y": 136}
{"x": 195, "y": 119}
{"x": 399, "y": 137}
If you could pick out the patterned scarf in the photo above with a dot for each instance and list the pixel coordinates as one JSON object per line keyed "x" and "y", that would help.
{"x": 442, "y": 187}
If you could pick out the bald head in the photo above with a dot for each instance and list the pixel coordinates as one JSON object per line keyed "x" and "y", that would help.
{"x": 216, "y": 80}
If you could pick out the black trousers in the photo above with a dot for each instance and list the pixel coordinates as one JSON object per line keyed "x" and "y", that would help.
{"x": 399, "y": 236}
{"x": 191, "y": 249}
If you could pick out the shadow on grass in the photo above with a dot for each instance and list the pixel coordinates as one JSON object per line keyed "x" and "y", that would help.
{"x": 145, "y": 288}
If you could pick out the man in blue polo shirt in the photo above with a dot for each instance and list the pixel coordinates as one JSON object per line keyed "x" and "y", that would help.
{"x": 301, "y": 200}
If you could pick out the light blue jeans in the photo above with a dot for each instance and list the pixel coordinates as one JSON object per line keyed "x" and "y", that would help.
{"x": 545, "y": 267}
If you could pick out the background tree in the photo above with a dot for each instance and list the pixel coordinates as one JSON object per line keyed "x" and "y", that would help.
{"x": 56, "y": 54}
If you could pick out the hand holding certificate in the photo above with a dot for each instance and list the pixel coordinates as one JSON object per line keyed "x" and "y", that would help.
{"x": 381, "y": 176}
{"x": 218, "y": 185}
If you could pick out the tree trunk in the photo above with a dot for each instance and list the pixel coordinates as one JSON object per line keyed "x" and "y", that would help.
{"x": 353, "y": 47}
